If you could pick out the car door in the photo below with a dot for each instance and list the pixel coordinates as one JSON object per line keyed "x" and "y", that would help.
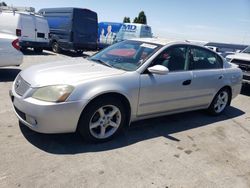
{"x": 208, "y": 74}
{"x": 42, "y": 29}
{"x": 163, "y": 93}
{"x": 28, "y": 28}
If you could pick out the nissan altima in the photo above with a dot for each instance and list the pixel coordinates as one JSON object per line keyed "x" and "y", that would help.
{"x": 126, "y": 82}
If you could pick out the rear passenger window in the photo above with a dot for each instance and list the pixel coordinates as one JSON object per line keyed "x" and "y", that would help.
{"x": 200, "y": 59}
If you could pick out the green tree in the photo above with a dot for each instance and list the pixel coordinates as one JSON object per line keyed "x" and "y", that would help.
{"x": 135, "y": 20}
{"x": 3, "y": 4}
{"x": 142, "y": 18}
{"x": 126, "y": 20}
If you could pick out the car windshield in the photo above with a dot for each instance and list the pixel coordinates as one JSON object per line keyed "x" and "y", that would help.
{"x": 127, "y": 55}
{"x": 247, "y": 50}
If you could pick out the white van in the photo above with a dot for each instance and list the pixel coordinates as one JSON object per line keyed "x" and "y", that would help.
{"x": 132, "y": 30}
{"x": 31, "y": 29}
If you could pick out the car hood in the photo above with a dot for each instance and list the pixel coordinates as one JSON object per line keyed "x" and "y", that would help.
{"x": 66, "y": 72}
{"x": 240, "y": 56}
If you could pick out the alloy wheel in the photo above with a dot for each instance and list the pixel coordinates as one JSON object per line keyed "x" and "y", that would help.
{"x": 221, "y": 102}
{"x": 105, "y": 122}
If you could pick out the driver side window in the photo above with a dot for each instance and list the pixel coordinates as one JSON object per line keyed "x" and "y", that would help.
{"x": 174, "y": 58}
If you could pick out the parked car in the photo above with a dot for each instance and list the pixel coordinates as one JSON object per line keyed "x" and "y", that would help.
{"x": 72, "y": 28}
{"x": 242, "y": 59}
{"x": 31, "y": 29}
{"x": 110, "y": 32}
{"x": 125, "y": 82}
{"x": 10, "y": 54}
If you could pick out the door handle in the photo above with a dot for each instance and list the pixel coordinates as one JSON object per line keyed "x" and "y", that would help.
{"x": 220, "y": 77}
{"x": 187, "y": 82}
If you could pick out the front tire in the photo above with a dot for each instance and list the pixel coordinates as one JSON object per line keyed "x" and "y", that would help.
{"x": 102, "y": 120}
{"x": 221, "y": 100}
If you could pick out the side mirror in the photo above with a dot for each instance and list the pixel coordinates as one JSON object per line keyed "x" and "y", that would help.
{"x": 158, "y": 69}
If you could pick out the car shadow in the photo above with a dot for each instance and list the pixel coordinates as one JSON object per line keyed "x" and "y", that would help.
{"x": 245, "y": 90}
{"x": 74, "y": 54}
{"x": 32, "y": 52}
{"x": 140, "y": 131}
{"x": 8, "y": 74}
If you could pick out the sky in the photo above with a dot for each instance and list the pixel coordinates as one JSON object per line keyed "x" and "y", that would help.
{"x": 206, "y": 20}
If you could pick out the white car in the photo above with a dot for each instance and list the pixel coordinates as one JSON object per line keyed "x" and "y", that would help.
{"x": 126, "y": 82}
{"x": 10, "y": 54}
{"x": 242, "y": 59}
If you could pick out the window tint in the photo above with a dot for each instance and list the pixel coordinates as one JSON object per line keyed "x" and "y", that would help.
{"x": 203, "y": 59}
{"x": 173, "y": 58}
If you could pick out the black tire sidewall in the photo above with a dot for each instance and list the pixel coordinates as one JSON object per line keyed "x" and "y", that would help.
{"x": 79, "y": 52}
{"x": 55, "y": 47}
{"x": 38, "y": 50}
{"x": 83, "y": 124}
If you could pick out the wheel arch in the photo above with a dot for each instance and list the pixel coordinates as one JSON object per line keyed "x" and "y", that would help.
{"x": 229, "y": 88}
{"x": 122, "y": 97}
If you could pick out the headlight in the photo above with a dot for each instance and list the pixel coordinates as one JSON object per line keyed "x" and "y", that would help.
{"x": 57, "y": 93}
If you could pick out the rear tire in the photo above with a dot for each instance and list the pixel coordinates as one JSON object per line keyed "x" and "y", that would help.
{"x": 102, "y": 120}
{"x": 23, "y": 49}
{"x": 221, "y": 100}
{"x": 79, "y": 52}
{"x": 56, "y": 48}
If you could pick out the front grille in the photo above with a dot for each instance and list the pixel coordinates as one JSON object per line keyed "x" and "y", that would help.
{"x": 20, "y": 113}
{"x": 21, "y": 86}
{"x": 243, "y": 65}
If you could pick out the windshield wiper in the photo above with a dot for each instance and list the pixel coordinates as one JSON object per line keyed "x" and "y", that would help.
{"x": 101, "y": 62}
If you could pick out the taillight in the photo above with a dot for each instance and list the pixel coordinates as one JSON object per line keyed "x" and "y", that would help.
{"x": 18, "y": 32}
{"x": 15, "y": 44}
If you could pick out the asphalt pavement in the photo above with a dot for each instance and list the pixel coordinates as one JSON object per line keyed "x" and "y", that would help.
{"x": 184, "y": 150}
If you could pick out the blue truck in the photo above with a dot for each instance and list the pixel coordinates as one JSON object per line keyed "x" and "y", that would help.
{"x": 72, "y": 28}
{"x": 111, "y": 32}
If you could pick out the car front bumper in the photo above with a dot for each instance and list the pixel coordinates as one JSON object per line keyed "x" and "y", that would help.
{"x": 46, "y": 117}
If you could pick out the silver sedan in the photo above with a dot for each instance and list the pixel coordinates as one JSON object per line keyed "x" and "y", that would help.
{"x": 126, "y": 82}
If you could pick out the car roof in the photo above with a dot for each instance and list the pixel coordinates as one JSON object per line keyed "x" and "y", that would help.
{"x": 160, "y": 41}
{"x": 22, "y": 13}
{"x": 7, "y": 36}
{"x": 164, "y": 42}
